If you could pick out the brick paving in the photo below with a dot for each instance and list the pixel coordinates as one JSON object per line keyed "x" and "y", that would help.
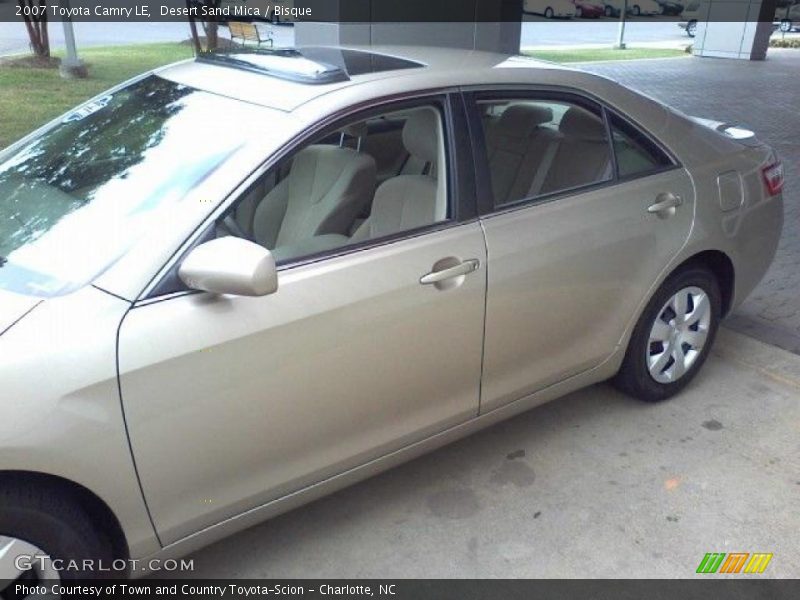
{"x": 764, "y": 97}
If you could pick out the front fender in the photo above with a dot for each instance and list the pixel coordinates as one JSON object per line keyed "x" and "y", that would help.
{"x": 60, "y": 411}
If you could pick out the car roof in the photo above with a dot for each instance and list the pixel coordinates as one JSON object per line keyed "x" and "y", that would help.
{"x": 429, "y": 68}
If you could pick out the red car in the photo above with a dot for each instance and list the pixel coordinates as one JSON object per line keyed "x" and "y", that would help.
{"x": 587, "y": 9}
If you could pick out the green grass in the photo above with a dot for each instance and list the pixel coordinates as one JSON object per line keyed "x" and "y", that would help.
{"x": 30, "y": 97}
{"x": 595, "y": 54}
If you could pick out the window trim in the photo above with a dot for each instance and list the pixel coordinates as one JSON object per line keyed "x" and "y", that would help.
{"x": 486, "y": 202}
{"x": 462, "y": 200}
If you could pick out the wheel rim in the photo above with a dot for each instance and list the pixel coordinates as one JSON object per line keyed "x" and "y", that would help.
{"x": 40, "y": 570}
{"x": 678, "y": 335}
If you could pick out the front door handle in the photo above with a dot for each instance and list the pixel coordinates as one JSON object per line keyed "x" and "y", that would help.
{"x": 464, "y": 268}
{"x": 665, "y": 205}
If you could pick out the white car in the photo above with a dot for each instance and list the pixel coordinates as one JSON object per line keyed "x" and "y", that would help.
{"x": 637, "y": 8}
{"x": 643, "y": 8}
{"x": 550, "y": 9}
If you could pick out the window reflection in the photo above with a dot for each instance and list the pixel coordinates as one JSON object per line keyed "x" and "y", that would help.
{"x": 74, "y": 199}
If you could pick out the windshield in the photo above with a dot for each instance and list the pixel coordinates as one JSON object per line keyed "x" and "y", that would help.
{"x": 74, "y": 199}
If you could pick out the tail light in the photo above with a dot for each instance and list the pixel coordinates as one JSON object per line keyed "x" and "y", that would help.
{"x": 773, "y": 178}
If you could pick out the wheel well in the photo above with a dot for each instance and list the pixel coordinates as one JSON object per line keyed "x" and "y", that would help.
{"x": 95, "y": 507}
{"x": 721, "y": 266}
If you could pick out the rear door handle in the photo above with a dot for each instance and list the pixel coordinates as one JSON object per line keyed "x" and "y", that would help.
{"x": 465, "y": 268}
{"x": 665, "y": 203}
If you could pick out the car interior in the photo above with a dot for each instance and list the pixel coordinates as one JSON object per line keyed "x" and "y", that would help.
{"x": 368, "y": 180}
{"x": 382, "y": 176}
{"x": 536, "y": 148}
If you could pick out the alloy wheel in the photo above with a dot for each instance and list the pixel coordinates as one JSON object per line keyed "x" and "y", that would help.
{"x": 11, "y": 572}
{"x": 678, "y": 335}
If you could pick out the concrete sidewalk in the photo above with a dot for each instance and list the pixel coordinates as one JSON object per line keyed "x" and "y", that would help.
{"x": 591, "y": 485}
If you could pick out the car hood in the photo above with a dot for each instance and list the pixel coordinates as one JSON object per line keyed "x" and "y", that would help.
{"x": 13, "y": 307}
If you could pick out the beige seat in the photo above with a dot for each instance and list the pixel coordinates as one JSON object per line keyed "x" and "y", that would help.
{"x": 326, "y": 189}
{"x": 583, "y": 154}
{"x": 516, "y": 146}
{"x": 408, "y": 201}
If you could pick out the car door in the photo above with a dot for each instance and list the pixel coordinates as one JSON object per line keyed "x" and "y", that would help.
{"x": 234, "y": 402}
{"x": 576, "y": 234}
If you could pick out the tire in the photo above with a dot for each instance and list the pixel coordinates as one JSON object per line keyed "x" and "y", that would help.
{"x": 608, "y": 11}
{"x": 786, "y": 26}
{"x": 548, "y": 13}
{"x": 49, "y": 519}
{"x": 637, "y": 11}
{"x": 643, "y": 374}
{"x": 691, "y": 28}
{"x": 579, "y": 13}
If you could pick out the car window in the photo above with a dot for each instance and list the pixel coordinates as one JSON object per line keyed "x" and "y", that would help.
{"x": 535, "y": 148}
{"x": 367, "y": 180}
{"x": 636, "y": 153}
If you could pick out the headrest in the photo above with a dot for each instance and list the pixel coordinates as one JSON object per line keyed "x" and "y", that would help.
{"x": 421, "y": 135}
{"x": 519, "y": 120}
{"x": 356, "y": 130}
{"x": 580, "y": 123}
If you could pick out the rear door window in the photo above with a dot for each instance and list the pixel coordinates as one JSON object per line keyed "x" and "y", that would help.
{"x": 540, "y": 147}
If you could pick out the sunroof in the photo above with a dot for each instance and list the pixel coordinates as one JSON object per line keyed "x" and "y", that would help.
{"x": 311, "y": 64}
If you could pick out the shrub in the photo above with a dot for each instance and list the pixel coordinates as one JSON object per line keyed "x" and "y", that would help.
{"x": 784, "y": 43}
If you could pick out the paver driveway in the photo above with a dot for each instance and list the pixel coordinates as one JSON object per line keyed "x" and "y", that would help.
{"x": 763, "y": 96}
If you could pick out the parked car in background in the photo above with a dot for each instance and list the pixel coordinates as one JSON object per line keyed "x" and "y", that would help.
{"x": 670, "y": 8}
{"x": 643, "y": 8}
{"x": 787, "y": 18}
{"x": 588, "y": 9}
{"x": 613, "y": 8}
{"x": 238, "y": 283}
{"x": 550, "y": 9}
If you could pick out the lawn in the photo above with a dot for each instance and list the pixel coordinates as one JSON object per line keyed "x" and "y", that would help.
{"x": 30, "y": 97}
{"x": 595, "y": 54}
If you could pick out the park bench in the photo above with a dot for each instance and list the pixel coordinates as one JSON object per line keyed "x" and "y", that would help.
{"x": 247, "y": 33}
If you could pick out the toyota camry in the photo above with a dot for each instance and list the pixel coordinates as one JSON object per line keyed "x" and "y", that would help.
{"x": 240, "y": 282}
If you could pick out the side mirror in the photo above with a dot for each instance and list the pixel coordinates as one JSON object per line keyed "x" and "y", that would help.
{"x": 230, "y": 265}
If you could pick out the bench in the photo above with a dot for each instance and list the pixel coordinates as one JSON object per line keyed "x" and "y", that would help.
{"x": 247, "y": 32}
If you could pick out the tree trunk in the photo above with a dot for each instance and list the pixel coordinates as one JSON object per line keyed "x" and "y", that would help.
{"x": 210, "y": 27}
{"x": 36, "y": 25}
